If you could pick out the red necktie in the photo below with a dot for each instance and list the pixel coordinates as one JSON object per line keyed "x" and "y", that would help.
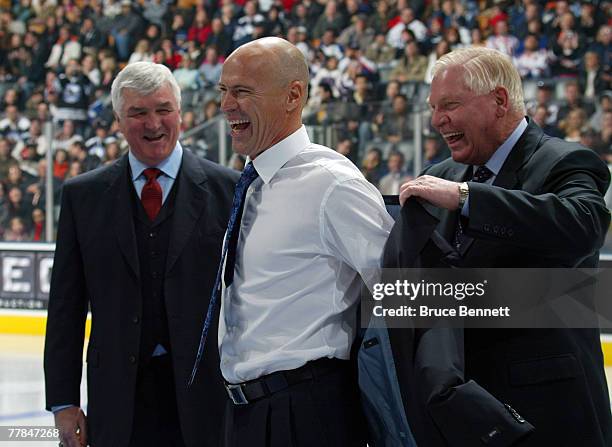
{"x": 151, "y": 196}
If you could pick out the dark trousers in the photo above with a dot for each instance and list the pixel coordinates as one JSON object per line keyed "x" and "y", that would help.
{"x": 156, "y": 421}
{"x": 324, "y": 412}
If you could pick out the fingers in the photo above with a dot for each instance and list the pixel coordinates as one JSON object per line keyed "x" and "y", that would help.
{"x": 82, "y": 424}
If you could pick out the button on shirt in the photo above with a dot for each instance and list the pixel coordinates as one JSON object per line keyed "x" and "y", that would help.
{"x": 311, "y": 225}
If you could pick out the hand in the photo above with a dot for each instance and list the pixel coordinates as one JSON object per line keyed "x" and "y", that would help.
{"x": 72, "y": 425}
{"x": 439, "y": 192}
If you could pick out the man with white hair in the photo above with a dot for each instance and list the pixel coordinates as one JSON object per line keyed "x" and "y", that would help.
{"x": 512, "y": 196}
{"x": 138, "y": 244}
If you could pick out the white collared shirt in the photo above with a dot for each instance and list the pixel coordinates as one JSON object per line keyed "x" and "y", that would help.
{"x": 311, "y": 225}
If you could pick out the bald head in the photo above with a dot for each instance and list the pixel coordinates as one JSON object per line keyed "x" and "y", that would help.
{"x": 263, "y": 86}
{"x": 279, "y": 59}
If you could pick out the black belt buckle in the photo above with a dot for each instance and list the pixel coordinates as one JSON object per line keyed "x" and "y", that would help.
{"x": 236, "y": 394}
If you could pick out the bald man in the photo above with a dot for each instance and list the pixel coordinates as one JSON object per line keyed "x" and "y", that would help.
{"x": 310, "y": 229}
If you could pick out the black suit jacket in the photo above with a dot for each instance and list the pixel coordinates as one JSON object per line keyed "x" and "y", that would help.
{"x": 545, "y": 209}
{"x": 96, "y": 264}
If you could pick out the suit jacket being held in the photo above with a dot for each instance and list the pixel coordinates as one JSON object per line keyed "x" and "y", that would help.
{"x": 96, "y": 264}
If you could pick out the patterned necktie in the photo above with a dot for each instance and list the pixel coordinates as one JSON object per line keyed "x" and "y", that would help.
{"x": 151, "y": 195}
{"x": 481, "y": 175}
{"x": 229, "y": 252}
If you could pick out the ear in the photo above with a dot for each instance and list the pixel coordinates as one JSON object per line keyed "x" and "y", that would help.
{"x": 116, "y": 115}
{"x": 502, "y": 101}
{"x": 295, "y": 96}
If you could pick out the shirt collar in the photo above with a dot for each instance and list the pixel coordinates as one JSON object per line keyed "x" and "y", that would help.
{"x": 271, "y": 160}
{"x": 498, "y": 158}
{"x": 169, "y": 166}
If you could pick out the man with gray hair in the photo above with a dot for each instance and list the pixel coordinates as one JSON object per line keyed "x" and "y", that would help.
{"x": 512, "y": 196}
{"x": 138, "y": 244}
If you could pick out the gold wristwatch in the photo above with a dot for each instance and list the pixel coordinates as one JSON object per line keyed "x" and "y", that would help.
{"x": 464, "y": 193}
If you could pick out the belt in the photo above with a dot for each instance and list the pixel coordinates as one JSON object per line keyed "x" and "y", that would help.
{"x": 264, "y": 386}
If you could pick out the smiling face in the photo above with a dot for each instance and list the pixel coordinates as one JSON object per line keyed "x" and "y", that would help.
{"x": 467, "y": 121}
{"x": 150, "y": 124}
{"x": 258, "y": 104}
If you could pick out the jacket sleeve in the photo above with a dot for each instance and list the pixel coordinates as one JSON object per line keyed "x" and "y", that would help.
{"x": 564, "y": 217}
{"x": 66, "y": 316}
{"x": 463, "y": 412}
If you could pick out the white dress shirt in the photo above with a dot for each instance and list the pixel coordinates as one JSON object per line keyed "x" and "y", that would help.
{"x": 311, "y": 225}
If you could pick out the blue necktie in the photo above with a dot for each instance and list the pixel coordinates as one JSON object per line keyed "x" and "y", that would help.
{"x": 481, "y": 175}
{"x": 229, "y": 251}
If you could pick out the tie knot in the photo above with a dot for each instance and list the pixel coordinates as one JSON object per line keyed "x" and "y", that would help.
{"x": 151, "y": 173}
{"x": 482, "y": 174}
{"x": 248, "y": 174}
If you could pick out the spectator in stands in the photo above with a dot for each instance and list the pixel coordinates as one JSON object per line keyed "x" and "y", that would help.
{"x": 411, "y": 67}
{"x": 211, "y": 66}
{"x": 90, "y": 69}
{"x": 330, "y": 75}
{"x": 533, "y": 61}
{"x": 441, "y": 48}
{"x": 572, "y": 124}
{"x": 380, "y": 52}
{"x": 328, "y": 45}
{"x": 245, "y": 24}
{"x": 567, "y": 48}
{"x": 153, "y": 35}
{"x": 142, "y": 52}
{"x": 90, "y": 38}
{"x": 605, "y": 105}
{"x": 6, "y": 158}
{"x": 125, "y": 29}
{"x": 201, "y": 28}
{"x": 541, "y": 116}
{"x": 66, "y": 47}
{"x": 395, "y": 128}
{"x": 188, "y": 77}
{"x": 75, "y": 169}
{"x": 331, "y": 19}
{"x": 379, "y": 20}
{"x": 544, "y": 97}
{"x": 407, "y": 22}
{"x": 219, "y": 38}
{"x": 60, "y": 163}
{"x": 16, "y": 206}
{"x": 38, "y": 225}
{"x": 605, "y": 134}
{"x": 16, "y": 230}
{"x": 75, "y": 91}
{"x": 66, "y": 136}
{"x": 592, "y": 78}
{"x": 14, "y": 126}
{"x": 390, "y": 183}
{"x": 154, "y": 11}
{"x": 372, "y": 166}
{"x": 433, "y": 151}
{"x": 573, "y": 100}
{"x": 603, "y": 47}
{"x": 36, "y": 191}
{"x": 357, "y": 35}
{"x": 18, "y": 178}
{"x": 502, "y": 40}
{"x": 111, "y": 154}
{"x": 77, "y": 151}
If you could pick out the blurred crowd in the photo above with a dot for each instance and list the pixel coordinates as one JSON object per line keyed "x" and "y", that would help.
{"x": 369, "y": 63}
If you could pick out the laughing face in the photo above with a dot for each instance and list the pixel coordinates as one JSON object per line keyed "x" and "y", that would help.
{"x": 254, "y": 101}
{"x": 466, "y": 120}
{"x": 150, "y": 124}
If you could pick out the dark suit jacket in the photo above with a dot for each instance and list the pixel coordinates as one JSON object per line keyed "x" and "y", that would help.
{"x": 96, "y": 264}
{"x": 545, "y": 209}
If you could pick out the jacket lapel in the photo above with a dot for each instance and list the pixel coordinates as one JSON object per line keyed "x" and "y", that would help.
{"x": 123, "y": 222}
{"x": 190, "y": 205}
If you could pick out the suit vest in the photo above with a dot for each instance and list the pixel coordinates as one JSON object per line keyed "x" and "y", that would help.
{"x": 152, "y": 241}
